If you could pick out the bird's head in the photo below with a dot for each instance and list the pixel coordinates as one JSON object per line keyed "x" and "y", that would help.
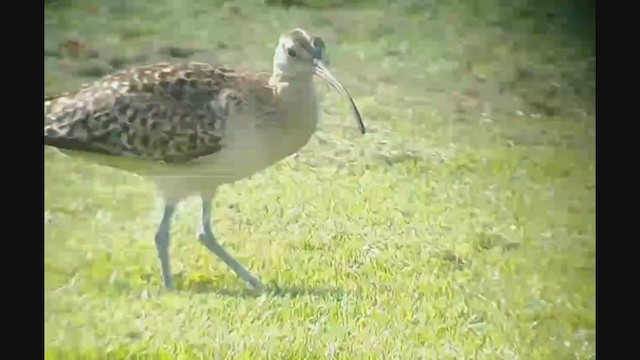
{"x": 300, "y": 55}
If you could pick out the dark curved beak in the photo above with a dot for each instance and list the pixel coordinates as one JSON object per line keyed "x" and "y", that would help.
{"x": 324, "y": 73}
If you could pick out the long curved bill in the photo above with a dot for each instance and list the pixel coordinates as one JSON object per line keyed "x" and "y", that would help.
{"x": 324, "y": 73}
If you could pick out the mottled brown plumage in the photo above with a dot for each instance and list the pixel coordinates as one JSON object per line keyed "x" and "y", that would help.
{"x": 164, "y": 112}
{"x": 191, "y": 127}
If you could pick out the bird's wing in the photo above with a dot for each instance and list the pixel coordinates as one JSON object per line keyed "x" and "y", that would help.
{"x": 164, "y": 112}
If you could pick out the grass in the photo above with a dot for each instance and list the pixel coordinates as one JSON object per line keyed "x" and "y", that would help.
{"x": 462, "y": 226}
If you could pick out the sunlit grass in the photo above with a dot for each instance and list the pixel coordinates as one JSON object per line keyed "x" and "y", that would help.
{"x": 461, "y": 226}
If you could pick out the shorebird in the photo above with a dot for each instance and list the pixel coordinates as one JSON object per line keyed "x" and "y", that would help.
{"x": 191, "y": 127}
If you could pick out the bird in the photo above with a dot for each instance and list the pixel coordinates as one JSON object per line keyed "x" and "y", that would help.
{"x": 190, "y": 127}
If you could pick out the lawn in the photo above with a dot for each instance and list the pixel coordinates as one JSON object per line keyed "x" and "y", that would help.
{"x": 462, "y": 225}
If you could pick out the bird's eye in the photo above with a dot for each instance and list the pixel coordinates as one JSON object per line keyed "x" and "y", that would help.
{"x": 291, "y": 53}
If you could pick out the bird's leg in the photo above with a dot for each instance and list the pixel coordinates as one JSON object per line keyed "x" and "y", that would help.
{"x": 162, "y": 243}
{"x": 209, "y": 241}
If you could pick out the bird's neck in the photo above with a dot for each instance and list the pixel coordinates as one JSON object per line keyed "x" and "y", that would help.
{"x": 298, "y": 88}
{"x": 298, "y": 95}
{"x": 281, "y": 80}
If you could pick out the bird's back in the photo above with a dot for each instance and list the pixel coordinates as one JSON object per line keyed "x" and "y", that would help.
{"x": 161, "y": 113}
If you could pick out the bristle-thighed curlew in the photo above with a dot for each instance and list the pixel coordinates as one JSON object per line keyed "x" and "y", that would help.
{"x": 192, "y": 127}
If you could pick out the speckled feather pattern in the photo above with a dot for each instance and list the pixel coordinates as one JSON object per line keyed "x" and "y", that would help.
{"x": 164, "y": 112}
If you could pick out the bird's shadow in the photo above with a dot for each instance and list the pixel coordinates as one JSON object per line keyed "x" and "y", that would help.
{"x": 272, "y": 290}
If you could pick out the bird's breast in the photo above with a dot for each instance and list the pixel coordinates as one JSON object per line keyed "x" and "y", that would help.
{"x": 257, "y": 139}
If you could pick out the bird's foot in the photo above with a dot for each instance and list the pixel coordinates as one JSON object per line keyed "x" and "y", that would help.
{"x": 209, "y": 241}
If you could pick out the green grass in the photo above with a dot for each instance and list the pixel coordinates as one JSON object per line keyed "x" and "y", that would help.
{"x": 462, "y": 226}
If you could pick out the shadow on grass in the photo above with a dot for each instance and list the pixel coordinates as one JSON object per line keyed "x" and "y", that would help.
{"x": 205, "y": 285}
{"x": 147, "y": 291}
{"x": 272, "y": 290}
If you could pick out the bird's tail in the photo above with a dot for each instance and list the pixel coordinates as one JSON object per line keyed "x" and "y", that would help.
{"x": 49, "y": 104}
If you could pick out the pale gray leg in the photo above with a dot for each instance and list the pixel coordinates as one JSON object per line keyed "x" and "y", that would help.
{"x": 162, "y": 243}
{"x": 209, "y": 241}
